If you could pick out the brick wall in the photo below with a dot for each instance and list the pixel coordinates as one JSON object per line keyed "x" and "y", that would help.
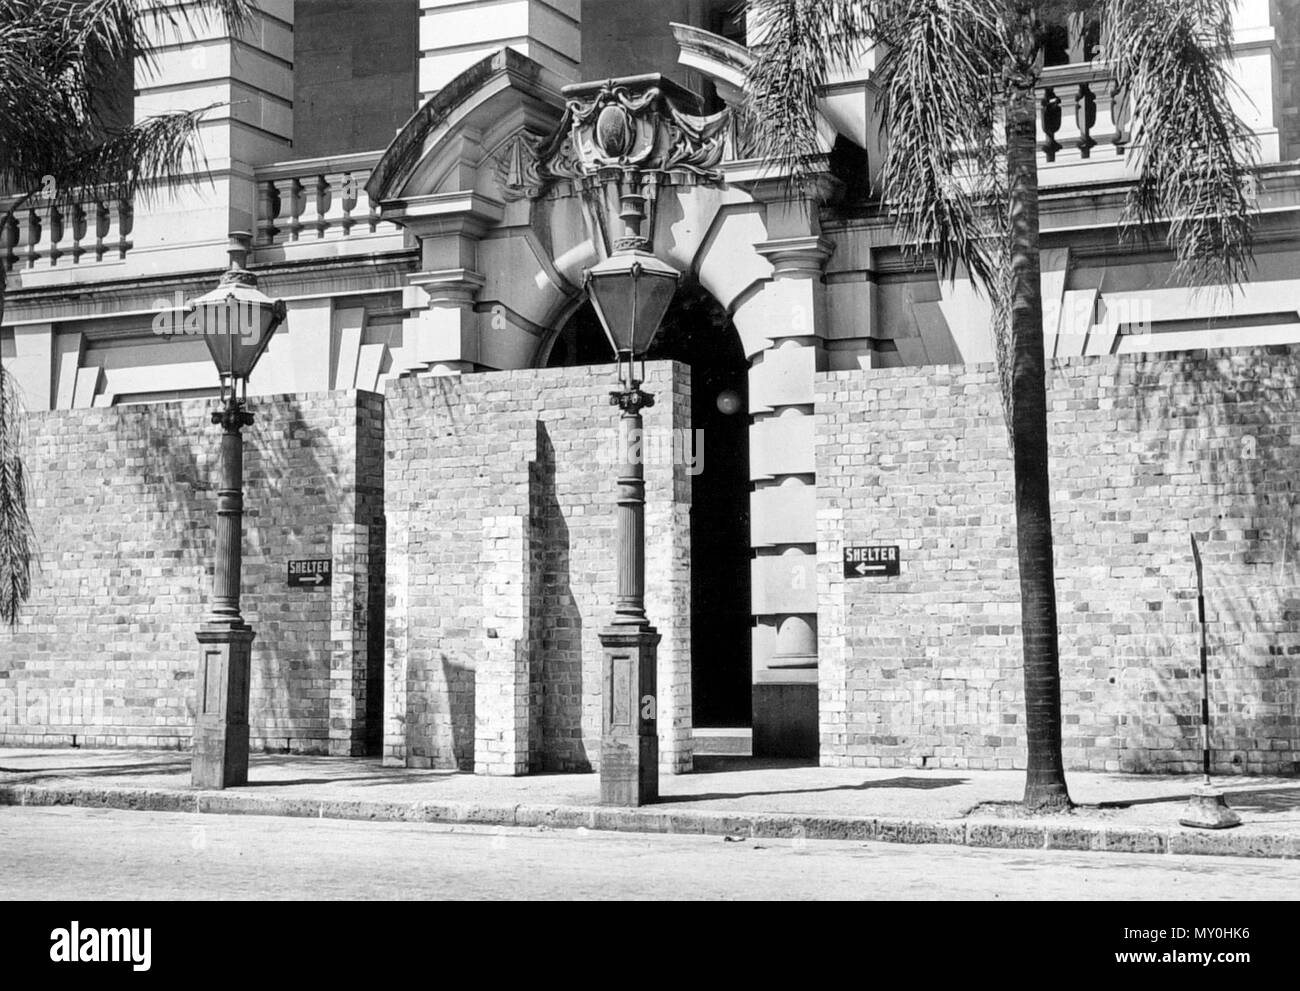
{"x": 925, "y": 668}
{"x": 123, "y": 501}
{"x": 500, "y": 492}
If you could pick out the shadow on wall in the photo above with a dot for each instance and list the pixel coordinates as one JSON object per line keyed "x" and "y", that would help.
{"x": 376, "y": 607}
{"x": 292, "y": 497}
{"x": 126, "y": 510}
{"x": 555, "y": 622}
{"x": 459, "y": 719}
{"x": 1225, "y": 422}
{"x": 185, "y": 485}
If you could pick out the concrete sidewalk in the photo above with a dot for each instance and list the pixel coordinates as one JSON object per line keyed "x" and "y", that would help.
{"x": 737, "y": 796}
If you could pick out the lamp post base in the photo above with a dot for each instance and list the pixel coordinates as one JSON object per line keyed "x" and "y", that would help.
{"x": 629, "y": 742}
{"x": 220, "y": 748}
{"x": 1208, "y": 809}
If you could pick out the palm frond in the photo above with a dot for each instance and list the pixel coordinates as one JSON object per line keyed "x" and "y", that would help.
{"x": 940, "y": 81}
{"x": 1195, "y": 155}
{"x": 940, "y": 75}
{"x": 797, "y": 46}
{"x": 53, "y": 55}
{"x": 141, "y": 158}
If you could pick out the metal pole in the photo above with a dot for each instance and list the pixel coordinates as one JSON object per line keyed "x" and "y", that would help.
{"x": 220, "y": 743}
{"x": 230, "y": 515}
{"x": 1207, "y": 808}
{"x": 629, "y": 746}
{"x": 629, "y": 610}
{"x": 1205, "y": 665}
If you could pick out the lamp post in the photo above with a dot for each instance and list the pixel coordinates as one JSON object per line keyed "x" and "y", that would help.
{"x": 630, "y": 291}
{"x": 237, "y": 322}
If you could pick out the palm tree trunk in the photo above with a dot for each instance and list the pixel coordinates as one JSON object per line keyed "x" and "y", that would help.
{"x": 1045, "y": 779}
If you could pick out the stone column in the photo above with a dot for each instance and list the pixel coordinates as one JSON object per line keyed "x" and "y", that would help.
{"x": 441, "y": 334}
{"x": 783, "y": 506}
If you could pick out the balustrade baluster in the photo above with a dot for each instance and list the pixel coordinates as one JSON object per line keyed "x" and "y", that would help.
{"x": 351, "y": 195}
{"x": 319, "y": 196}
{"x": 268, "y": 210}
{"x": 103, "y": 227}
{"x": 76, "y": 221}
{"x": 1085, "y": 116}
{"x": 1120, "y": 116}
{"x": 289, "y": 191}
{"x": 371, "y": 212}
{"x": 335, "y": 220}
{"x": 311, "y": 201}
{"x": 1051, "y": 123}
{"x": 30, "y": 228}
{"x": 8, "y": 244}
{"x": 54, "y": 233}
{"x": 1069, "y": 135}
{"x": 125, "y": 224}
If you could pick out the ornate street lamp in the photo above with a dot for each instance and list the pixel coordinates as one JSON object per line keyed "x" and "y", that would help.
{"x": 237, "y": 322}
{"x": 631, "y": 291}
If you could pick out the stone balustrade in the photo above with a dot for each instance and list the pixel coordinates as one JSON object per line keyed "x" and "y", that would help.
{"x": 44, "y": 233}
{"x": 1080, "y": 117}
{"x": 317, "y": 200}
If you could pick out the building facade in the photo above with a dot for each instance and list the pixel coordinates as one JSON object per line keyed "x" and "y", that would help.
{"x": 424, "y": 184}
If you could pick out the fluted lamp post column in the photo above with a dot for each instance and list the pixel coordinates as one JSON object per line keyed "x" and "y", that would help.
{"x": 630, "y": 291}
{"x": 237, "y": 322}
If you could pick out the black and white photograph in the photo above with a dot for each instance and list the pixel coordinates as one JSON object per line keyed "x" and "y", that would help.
{"x": 774, "y": 451}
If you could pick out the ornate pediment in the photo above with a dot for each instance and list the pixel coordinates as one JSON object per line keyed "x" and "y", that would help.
{"x": 646, "y": 123}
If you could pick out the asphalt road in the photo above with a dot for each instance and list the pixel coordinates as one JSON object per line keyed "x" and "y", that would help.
{"x": 93, "y": 854}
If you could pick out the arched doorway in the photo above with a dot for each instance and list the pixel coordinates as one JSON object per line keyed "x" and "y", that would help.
{"x": 698, "y": 333}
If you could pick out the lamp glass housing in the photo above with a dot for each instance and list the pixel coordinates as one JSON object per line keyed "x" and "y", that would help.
{"x": 631, "y": 291}
{"x": 237, "y": 321}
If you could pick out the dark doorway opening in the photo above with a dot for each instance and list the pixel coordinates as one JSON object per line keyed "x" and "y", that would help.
{"x": 698, "y": 333}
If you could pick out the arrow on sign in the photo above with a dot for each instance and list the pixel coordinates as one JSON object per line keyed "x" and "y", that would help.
{"x": 871, "y": 562}
{"x": 310, "y": 574}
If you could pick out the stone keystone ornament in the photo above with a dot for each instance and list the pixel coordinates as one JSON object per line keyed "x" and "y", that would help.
{"x": 614, "y": 132}
{"x": 644, "y": 122}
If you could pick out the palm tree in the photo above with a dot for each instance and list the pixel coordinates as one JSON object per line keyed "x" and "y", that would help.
{"x": 56, "y": 141}
{"x": 959, "y": 106}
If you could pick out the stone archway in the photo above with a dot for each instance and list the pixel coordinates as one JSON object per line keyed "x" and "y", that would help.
{"x": 715, "y": 450}
{"x": 511, "y": 196}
